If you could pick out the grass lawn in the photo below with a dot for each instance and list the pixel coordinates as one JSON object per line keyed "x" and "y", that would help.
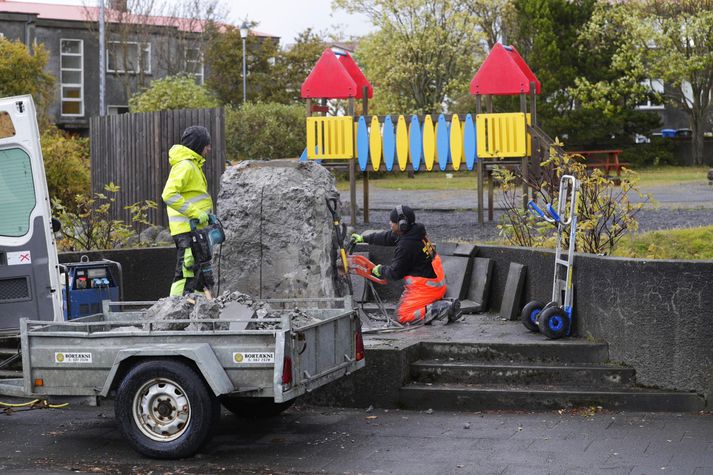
{"x": 671, "y": 175}
{"x": 465, "y": 180}
{"x": 434, "y": 180}
{"x": 690, "y": 243}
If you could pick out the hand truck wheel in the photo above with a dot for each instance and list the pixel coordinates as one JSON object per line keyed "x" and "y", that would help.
{"x": 529, "y": 315}
{"x": 553, "y": 322}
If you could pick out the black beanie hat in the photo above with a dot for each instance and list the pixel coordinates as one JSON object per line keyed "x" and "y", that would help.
{"x": 408, "y": 214}
{"x": 195, "y": 137}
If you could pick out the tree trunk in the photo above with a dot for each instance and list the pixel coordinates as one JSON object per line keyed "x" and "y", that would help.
{"x": 697, "y": 131}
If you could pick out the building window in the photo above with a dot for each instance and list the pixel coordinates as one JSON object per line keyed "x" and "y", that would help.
{"x": 115, "y": 110}
{"x": 194, "y": 64}
{"x": 128, "y": 57}
{"x": 71, "y": 71}
{"x": 654, "y": 85}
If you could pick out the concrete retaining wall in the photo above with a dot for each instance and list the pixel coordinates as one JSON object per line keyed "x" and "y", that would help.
{"x": 656, "y": 316}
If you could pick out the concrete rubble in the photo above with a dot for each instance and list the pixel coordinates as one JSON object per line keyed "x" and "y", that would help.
{"x": 278, "y": 230}
{"x": 174, "y": 313}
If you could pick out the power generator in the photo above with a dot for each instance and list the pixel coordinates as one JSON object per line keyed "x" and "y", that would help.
{"x": 88, "y": 283}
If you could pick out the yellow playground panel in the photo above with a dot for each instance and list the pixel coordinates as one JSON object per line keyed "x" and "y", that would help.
{"x": 501, "y": 135}
{"x": 330, "y": 138}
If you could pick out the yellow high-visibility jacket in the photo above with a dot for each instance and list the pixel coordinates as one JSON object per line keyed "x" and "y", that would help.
{"x": 186, "y": 190}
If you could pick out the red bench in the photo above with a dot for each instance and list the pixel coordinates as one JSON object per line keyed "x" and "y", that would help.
{"x": 608, "y": 160}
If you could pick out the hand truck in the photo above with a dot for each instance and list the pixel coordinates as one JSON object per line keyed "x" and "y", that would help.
{"x": 554, "y": 320}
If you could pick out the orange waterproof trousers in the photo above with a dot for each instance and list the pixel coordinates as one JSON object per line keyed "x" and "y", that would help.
{"x": 420, "y": 292}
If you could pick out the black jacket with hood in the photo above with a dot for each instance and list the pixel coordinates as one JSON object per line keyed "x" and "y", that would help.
{"x": 413, "y": 254}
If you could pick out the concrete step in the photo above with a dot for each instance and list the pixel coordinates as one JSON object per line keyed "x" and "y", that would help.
{"x": 471, "y": 397}
{"x": 545, "y": 351}
{"x": 433, "y": 371}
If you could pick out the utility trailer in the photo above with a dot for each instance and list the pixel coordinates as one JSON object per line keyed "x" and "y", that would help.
{"x": 168, "y": 385}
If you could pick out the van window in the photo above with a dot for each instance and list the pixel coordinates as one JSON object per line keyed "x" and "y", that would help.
{"x": 17, "y": 192}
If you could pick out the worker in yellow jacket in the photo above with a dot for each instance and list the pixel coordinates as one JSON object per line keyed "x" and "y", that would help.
{"x": 186, "y": 197}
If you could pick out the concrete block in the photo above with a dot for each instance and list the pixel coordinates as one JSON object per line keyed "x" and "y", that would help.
{"x": 476, "y": 300}
{"x": 466, "y": 250}
{"x": 512, "y": 296}
{"x": 237, "y": 311}
{"x": 446, "y": 248}
{"x": 458, "y": 272}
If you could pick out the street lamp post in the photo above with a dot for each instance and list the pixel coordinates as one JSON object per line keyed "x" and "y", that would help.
{"x": 244, "y": 28}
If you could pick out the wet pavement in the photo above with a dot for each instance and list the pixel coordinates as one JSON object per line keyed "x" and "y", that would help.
{"x": 308, "y": 440}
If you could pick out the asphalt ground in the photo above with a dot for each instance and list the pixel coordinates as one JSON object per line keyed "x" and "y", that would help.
{"x": 309, "y": 440}
{"x": 450, "y": 215}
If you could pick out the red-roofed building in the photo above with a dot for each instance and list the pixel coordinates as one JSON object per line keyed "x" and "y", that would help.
{"x": 140, "y": 48}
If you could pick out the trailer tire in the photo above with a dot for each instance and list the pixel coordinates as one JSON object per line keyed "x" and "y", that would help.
{"x": 553, "y": 323}
{"x": 165, "y": 409}
{"x": 255, "y": 407}
{"x": 530, "y": 313}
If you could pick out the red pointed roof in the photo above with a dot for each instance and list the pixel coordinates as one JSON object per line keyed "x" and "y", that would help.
{"x": 335, "y": 76}
{"x": 503, "y": 72}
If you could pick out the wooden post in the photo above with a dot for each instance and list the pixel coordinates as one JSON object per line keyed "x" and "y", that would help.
{"x": 365, "y": 184}
{"x": 480, "y": 168}
{"x": 524, "y": 162}
{"x": 535, "y": 155}
{"x": 352, "y": 174}
{"x": 490, "y": 196}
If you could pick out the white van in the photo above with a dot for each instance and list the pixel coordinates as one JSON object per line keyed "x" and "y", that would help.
{"x": 29, "y": 269}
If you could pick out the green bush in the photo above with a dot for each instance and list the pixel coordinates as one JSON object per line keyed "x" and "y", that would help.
{"x": 264, "y": 131}
{"x": 171, "y": 93}
{"x": 658, "y": 152}
{"x": 66, "y": 160}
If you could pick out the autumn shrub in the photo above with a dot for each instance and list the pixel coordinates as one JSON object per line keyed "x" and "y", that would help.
{"x": 66, "y": 159}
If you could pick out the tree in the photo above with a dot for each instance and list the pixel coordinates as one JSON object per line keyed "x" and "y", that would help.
{"x": 173, "y": 92}
{"x": 174, "y": 30}
{"x": 66, "y": 159}
{"x": 224, "y": 57}
{"x": 657, "y": 39}
{"x": 22, "y": 72}
{"x": 294, "y": 64}
{"x": 422, "y": 55}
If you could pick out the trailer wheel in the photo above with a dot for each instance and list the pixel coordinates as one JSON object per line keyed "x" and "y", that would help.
{"x": 553, "y": 323}
{"x": 165, "y": 409}
{"x": 255, "y": 407}
{"x": 529, "y": 315}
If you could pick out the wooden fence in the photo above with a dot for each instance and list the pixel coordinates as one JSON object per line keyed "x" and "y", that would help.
{"x": 131, "y": 150}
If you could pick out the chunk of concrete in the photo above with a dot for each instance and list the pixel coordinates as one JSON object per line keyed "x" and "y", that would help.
{"x": 237, "y": 311}
{"x": 458, "y": 272}
{"x": 446, "y": 248}
{"x": 466, "y": 250}
{"x": 512, "y": 295}
{"x": 479, "y": 289}
{"x": 279, "y": 231}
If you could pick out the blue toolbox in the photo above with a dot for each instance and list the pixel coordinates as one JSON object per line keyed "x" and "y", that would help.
{"x": 87, "y": 284}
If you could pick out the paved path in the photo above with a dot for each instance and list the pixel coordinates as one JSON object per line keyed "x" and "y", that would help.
{"x": 328, "y": 441}
{"x": 691, "y": 195}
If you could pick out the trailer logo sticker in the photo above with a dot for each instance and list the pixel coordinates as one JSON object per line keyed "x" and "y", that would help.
{"x": 72, "y": 357}
{"x": 19, "y": 258}
{"x": 253, "y": 357}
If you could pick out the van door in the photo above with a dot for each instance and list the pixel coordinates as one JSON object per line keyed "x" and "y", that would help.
{"x": 29, "y": 270}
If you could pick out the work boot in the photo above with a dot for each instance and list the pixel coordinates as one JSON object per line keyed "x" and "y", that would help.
{"x": 454, "y": 312}
{"x": 437, "y": 311}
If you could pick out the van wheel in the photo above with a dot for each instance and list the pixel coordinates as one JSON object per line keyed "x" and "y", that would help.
{"x": 255, "y": 407}
{"x": 165, "y": 409}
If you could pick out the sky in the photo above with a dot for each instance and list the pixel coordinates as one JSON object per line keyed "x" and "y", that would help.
{"x": 284, "y": 18}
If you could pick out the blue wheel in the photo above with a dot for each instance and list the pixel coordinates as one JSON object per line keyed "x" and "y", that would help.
{"x": 553, "y": 323}
{"x": 530, "y": 313}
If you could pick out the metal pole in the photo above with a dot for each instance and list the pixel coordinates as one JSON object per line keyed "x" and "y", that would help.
{"x": 245, "y": 79}
{"x": 102, "y": 57}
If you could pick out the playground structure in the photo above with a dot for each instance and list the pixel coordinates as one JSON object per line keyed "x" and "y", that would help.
{"x": 442, "y": 142}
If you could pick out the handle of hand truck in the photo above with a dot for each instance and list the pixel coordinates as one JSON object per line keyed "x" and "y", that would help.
{"x": 212, "y": 219}
{"x": 553, "y": 213}
{"x": 533, "y": 207}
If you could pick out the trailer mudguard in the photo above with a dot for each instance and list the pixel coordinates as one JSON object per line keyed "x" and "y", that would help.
{"x": 201, "y": 354}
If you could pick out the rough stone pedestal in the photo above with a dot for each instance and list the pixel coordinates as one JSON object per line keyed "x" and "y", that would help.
{"x": 278, "y": 229}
